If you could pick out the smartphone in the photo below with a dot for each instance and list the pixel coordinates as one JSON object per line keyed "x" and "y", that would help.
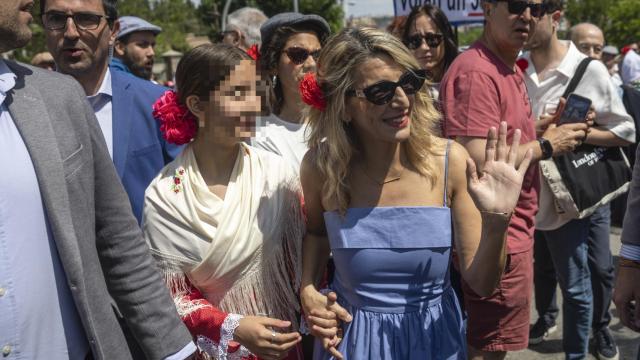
{"x": 575, "y": 110}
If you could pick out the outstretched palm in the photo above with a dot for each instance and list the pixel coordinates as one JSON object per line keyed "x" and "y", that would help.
{"x": 498, "y": 187}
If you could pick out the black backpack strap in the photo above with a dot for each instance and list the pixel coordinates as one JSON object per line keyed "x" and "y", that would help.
{"x": 577, "y": 77}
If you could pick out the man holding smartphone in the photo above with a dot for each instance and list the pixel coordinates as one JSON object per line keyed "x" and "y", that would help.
{"x": 561, "y": 242}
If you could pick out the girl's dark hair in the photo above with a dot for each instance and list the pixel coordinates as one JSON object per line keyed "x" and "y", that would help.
{"x": 203, "y": 68}
{"x": 441, "y": 21}
{"x": 270, "y": 57}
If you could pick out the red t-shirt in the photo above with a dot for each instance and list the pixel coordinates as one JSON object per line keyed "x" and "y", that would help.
{"x": 477, "y": 92}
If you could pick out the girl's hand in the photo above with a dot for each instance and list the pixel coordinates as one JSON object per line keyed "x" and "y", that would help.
{"x": 257, "y": 334}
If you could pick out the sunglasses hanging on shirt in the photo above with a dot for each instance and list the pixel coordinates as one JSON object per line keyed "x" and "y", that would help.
{"x": 382, "y": 92}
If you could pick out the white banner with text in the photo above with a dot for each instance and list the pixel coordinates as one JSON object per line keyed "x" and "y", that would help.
{"x": 457, "y": 11}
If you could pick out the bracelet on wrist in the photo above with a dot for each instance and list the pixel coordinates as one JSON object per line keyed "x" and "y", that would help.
{"x": 497, "y": 213}
{"x": 622, "y": 262}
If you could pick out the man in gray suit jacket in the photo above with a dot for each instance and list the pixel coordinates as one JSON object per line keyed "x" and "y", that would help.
{"x": 71, "y": 252}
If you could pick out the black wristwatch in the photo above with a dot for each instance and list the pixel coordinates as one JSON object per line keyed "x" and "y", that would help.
{"x": 547, "y": 149}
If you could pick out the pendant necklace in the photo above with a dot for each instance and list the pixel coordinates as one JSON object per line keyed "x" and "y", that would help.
{"x": 385, "y": 181}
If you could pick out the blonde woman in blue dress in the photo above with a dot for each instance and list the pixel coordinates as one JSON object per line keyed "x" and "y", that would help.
{"x": 385, "y": 195}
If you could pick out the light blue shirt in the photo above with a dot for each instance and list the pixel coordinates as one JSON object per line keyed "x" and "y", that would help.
{"x": 631, "y": 252}
{"x": 38, "y": 318}
{"x": 102, "y": 107}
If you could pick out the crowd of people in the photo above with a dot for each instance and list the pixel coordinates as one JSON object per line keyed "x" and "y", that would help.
{"x": 299, "y": 194}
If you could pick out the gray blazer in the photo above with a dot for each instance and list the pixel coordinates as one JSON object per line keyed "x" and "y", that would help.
{"x": 631, "y": 224}
{"x": 101, "y": 247}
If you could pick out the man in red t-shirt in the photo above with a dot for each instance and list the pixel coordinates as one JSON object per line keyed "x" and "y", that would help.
{"x": 482, "y": 87}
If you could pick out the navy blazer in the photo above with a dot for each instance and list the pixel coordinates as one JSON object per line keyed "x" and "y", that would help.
{"x": 139, "y": 151}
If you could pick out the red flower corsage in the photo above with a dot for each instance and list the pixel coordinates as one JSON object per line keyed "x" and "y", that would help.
{"x": 523, "y": 64}
{"x": 311, "y": 92}
{"x": 254, "y": 52}
{"x": 177, "y": 124}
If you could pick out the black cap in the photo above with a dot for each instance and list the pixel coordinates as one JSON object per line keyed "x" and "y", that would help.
{"x": 315, "y": 22}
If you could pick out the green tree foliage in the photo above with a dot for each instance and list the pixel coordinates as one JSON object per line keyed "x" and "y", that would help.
{"x": 624, "y": 25}
{"x": 176, "y": 17}
{"x": 618, "y": 19}
{"x": 210, "y": 11}
{"x": 180, "y": 17}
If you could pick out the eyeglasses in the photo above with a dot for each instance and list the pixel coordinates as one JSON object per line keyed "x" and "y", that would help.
{"x": 382, "y": 92}
{"x": 586, "y": 48}
{"x": 56, "y": 20}
{"x": 299, "y": 55}
{"x": 517, "y": 7}
{"x": 432, "y": 39}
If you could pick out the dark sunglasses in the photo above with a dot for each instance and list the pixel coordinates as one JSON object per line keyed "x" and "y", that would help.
{"x": 299, "y": 55}
{"x": 517, "y": 7}
{"x": 56, "y": 20}
{"x": 415, "y": 41}
{"x": 382, "y": 92}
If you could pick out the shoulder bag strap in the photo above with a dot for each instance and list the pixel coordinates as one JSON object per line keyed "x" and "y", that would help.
{"x": 577, "y": 77}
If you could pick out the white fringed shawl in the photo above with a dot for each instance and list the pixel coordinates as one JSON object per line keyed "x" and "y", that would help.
{"x": 243, "y": 252}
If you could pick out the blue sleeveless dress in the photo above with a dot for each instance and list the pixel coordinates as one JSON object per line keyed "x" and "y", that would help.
{"x": 392, "y": 275}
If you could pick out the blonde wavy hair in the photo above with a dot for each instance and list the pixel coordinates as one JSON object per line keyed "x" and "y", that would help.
{"x": 332, "y": 139}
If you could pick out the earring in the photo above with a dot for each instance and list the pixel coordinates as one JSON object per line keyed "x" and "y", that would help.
{"x": 274, "y": 81}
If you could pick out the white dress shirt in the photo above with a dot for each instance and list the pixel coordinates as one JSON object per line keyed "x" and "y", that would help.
{"x": 596, "y": 84}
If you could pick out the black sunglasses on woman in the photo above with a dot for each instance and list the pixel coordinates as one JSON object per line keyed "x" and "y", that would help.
{"x": 299, "y": 55}
{"x": 383, "y": 91}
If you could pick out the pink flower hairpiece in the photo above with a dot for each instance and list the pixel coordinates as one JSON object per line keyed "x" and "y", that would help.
{"x": 177, "y": 124}
{"x": 254, "y": 52}
{"x": 312, "y": 92}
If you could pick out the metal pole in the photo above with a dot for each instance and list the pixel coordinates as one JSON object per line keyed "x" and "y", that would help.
{"x": 295, "y": 6}
{"x": 225, "y": 12}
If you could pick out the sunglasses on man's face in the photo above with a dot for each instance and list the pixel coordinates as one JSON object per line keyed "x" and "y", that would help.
{"x": 382, "y": 92}
{"x": 517, "y": 7}
{"x": 299, "y": 55}
{"x": 433, "y": 40}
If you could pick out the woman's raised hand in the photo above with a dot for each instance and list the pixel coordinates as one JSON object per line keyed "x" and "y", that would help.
{"x": 258, "y": 334}
{"x": 497, "y": 189}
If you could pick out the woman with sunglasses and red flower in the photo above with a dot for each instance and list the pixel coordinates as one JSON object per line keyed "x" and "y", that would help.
{"x": 290, "y": 46}
{"x": 383, "y": 193}
{"x": 428, "y": 34}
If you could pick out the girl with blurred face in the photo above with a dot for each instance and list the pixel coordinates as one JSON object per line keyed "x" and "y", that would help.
{"x": 224, "y": 216}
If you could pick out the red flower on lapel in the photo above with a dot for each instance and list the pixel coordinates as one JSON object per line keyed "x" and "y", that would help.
{"x": 523, "y": 64}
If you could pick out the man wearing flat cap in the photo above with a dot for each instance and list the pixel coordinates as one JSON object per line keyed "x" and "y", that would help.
{"x": 134, "y": 47}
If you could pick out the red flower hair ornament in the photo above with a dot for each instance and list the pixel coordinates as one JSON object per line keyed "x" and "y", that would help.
{"x": 177, "y": 124}
{"x": 254, "y": 52}
{"x": 311, "y": 92}
{"x": 523, "y": 64}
